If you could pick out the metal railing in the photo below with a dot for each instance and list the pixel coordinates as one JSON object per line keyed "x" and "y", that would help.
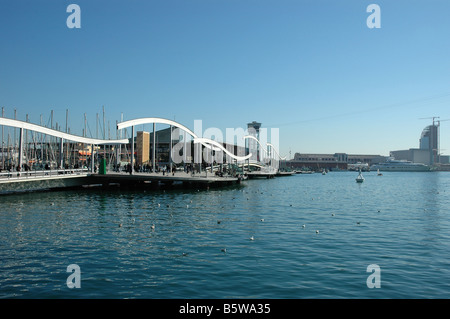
{"x": 42, "y": 173}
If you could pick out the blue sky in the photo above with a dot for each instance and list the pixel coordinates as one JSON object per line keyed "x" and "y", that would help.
{"x": 313, "y": 69}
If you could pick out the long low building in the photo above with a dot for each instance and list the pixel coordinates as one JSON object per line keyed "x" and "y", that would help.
{"x": 336, "y": 161}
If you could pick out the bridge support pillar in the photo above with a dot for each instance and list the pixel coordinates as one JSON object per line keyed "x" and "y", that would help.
{"x": 246, "y": 145}
{"x": 184, "y": 150}
{"x": 154, "y": 148}
{"x": 132, "y": 151}
{"x": 170, "y": 151}
{"x": 116, "y": 151}
{"x": 92, "y": 157}
{"x": 20, "y": 148}
{"x": 61, "y": 153}
{"x": 200, "y": 157}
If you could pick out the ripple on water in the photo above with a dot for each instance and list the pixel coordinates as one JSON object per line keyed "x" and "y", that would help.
{"x": 399, "y": 222}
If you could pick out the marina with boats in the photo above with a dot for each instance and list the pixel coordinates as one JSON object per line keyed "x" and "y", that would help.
{"x": 46, "y": 158}
{"x": 39, "y": 157}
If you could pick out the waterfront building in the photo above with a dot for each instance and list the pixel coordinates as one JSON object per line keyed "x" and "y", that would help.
{"x": 428, "y": 151}
{"x": 163, "y": 140}
{"x": 336, "y": 161}
{"x": 415, "y": 155}
{"x": 142, "y": 147}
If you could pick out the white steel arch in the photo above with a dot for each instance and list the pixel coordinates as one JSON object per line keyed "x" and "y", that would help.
{"x": 273, "y": 148}
{"x": 62, "y": 135}
{"x": 204, "y": 141}
{"x": 55, "y": 133}
{"x": 147, "y": 120}
{"x": 218, "y": 145}
{"x": 263, "y": 148}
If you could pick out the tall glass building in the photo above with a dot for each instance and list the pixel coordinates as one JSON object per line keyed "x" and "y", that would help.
{"x": 429, "y": 141}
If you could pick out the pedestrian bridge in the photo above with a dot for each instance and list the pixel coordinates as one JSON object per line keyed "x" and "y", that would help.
{"x": 73, "y": 177}
{"x": 62, "y": 136}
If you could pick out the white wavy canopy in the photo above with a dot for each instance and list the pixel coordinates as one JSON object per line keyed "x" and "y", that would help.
{"x": 55, "y": 133}
{"x": 263, "y": 148}
{"x": 204, "y": 141}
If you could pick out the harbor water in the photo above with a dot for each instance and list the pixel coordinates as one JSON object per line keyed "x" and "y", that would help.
{"x": 300, "y": 236}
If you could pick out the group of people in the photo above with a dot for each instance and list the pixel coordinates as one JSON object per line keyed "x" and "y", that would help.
{"x": 188, "y": 168}
{"x": 10, "y": 168}
{"x": 143, "y": 168}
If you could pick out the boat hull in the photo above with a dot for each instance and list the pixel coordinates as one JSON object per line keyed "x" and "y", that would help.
{"x": 402, "y": 168}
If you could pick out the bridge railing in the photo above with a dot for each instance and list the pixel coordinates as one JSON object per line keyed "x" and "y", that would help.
{"x": 42, "y": 173}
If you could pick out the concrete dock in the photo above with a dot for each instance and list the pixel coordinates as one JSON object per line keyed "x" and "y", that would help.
{"x": 13, "y": 182}
{"x": 160, "y": 180}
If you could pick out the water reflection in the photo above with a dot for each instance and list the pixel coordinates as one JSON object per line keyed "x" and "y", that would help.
{"x": 403, "y": 226}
